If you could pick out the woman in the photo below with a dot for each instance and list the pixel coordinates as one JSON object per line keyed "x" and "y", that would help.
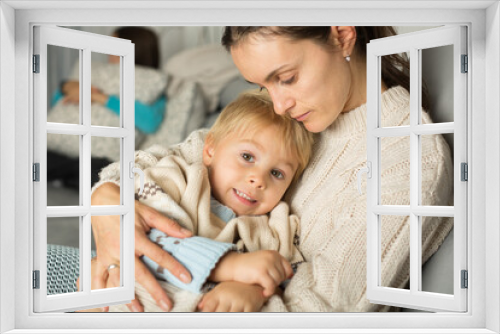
{"x": 317, "y": 75}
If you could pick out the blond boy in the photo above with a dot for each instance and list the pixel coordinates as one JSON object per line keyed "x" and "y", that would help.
{"x": 250, "y": 158}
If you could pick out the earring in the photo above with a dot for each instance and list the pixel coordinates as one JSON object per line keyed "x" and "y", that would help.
{"x": 347, "y": 58}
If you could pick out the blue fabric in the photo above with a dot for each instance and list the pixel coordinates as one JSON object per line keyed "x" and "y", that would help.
{"x": 198, "y": 255}
{"x": 223, "y": 212}
{"x": 148, "y": 118}
{"x": 56, "y": 97}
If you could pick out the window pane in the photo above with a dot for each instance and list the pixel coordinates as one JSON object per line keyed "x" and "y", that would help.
{"x": 437, "y": 170}
{"x": 104, "y": 150}
{"x": 437, "y": 273}
{"x": 395, "y": 170}
{"x": 395, "y": 238}
{"x": 437, "y": 77}
{"x": 114, "y": 233}
{"x": 63, "y": 261}
{"x": 388, "y": 117}
{"x": 63, "y": 170}
{"x": 105, "y": 90}
{"x": 63, "y": 79}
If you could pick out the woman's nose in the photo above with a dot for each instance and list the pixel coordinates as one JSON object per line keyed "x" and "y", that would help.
{"x": 282, "y": 102}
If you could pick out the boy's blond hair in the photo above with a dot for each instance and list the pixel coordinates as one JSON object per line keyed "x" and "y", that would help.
{"x": 252, "y": 111}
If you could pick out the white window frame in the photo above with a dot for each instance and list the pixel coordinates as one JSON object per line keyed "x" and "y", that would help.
{"x": 86, "y": 43}
{"x": 484, "y": 103}
{"x": 414, "y": 43}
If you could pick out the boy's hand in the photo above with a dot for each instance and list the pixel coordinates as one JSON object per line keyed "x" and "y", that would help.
{"x": 266, "y": 268}
{"x": 233, "y": 297}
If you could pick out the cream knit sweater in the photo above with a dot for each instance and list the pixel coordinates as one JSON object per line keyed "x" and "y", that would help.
{"x": 333, "y": 214}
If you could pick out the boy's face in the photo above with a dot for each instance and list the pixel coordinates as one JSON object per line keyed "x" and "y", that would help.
{"x": 249, "y": 173}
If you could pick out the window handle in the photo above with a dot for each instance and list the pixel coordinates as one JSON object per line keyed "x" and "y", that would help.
{"x": 368, "y": 171}
{"x": 134, "y": 170}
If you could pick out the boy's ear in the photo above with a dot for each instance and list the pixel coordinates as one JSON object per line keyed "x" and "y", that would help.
{"x": 208, "y": 150}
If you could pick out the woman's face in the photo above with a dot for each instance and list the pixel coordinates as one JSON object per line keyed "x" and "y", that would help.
{"x": 305, "y": 80}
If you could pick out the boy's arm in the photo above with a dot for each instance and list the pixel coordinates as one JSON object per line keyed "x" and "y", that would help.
{"x": 277, "y": 235}
{"x": 233, "y": 297}
{"x": 266, "y": 268}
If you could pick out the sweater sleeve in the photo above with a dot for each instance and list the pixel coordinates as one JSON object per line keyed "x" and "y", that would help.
{"x": 148, "y": 118}
{"x": 198, "y": 255}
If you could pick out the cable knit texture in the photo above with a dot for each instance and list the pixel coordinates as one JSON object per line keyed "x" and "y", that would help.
{"x": 333, "y": 214}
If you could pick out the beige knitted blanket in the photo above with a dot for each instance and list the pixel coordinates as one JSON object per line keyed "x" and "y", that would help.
{"x": 333, "y": 214}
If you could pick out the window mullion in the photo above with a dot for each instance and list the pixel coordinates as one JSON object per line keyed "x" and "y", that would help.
{"x": 415, "y": 251}
{"x": 85, "y": 161}
{"x": 127, "y": 121}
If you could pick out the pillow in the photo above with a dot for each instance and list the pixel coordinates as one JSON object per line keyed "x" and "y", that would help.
{"x": 185, "y": 113}
{"x": 150, "y": 83}
{"x": 101, "y": 147}
{"x": 233, "y": 89}
{"x": 211, "y": 66}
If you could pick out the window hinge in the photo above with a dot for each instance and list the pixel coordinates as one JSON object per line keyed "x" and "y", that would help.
{"x": 465, "y": 171}
{"x": 36, "y": 279}
{"x": 465, "y": 279}
{"x": 36, "y": 63}
{"x": 36, "y": 172}
{"x": 465, "y": 64}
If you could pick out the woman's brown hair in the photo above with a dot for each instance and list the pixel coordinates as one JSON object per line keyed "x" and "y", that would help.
{"x": 146, "y": 45}
{"x": 395, "y": 68}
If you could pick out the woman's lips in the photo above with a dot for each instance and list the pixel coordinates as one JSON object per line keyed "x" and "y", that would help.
{"x": 302, "y": 117}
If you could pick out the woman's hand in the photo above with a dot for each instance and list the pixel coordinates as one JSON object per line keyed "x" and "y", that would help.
{"x": 266, "y": 268}
{"x": 71, "y": 92}
{"x": 106, "y": 231}
{"x": 233, "y": 297}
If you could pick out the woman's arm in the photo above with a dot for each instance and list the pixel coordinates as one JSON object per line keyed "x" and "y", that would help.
{"x": 110, "y": 179}
{"x": 105, "y": 230}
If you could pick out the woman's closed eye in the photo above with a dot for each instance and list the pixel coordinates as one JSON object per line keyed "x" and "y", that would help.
{"x": 277, "y": 174}
{"x": 287, "y": 81}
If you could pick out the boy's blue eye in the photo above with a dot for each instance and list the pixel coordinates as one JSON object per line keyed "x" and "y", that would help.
{"x": 277, "y": 174}
{"x": 247, "y": 157}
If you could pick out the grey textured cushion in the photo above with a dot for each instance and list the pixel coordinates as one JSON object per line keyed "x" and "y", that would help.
{"x": 185, "y": 113}
{"x": 63, "y": 269}
{"x": 233, "y": 89}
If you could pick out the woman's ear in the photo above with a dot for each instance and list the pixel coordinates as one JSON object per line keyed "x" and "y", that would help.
{"x": 344, "y": 37}
{"x": 208, "y": 150}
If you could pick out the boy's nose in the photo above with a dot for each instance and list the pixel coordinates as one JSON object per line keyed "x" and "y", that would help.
{"x": 257, "y": 181}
